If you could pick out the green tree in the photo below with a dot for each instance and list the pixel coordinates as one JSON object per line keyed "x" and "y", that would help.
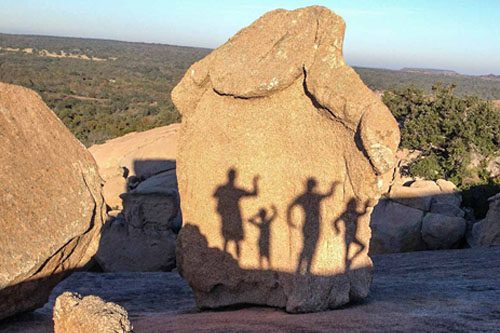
{"x": 448, "y": 130}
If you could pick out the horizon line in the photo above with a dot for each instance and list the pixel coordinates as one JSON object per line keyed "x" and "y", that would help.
{"x": 208, "y": 48}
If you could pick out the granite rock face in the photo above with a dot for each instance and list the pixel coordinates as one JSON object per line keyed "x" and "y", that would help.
{"x": 135, "y": 155}
{"x": 142, "y": 237}
{"x": 421, "y": 215}
{"x": 396, "y": 228}
{"x": 443, "y": 232}
{"x": 77, "y": 314}
{"x": 486, "y": 232}
{"x": 51, "y": 207}
{"x": 294, "y": 149}
{"x": 141, "y": 191}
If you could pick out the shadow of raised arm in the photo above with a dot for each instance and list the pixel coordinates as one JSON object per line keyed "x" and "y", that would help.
{"x": 255, "y": 190}
{"x": 336, "y": 225}
{"x": 332, "y": 190}
{"x": 253, "y": 220}
{"x": 275, "y": 213}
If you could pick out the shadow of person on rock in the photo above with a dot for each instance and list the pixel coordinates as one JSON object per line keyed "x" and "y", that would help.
{"x": 310, "y": 202}
{"x": 350, "y": 218}
{"x": 263, "y": 222}
{"x": 228, "y": 198}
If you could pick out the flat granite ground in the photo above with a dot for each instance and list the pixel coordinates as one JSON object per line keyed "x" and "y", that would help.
{"x": 431, "y": 291}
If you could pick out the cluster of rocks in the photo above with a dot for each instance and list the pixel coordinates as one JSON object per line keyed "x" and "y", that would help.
{"x": 427, "y": 215}
{"x": 140, "y": 189}
{"x": 421, "y": 215}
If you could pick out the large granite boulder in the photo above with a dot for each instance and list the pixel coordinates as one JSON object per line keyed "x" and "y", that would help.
{"x": 142, "y": 238}
{"x": 51, "y": 207}
{"x": 294, "y": 148}
{"x": 486, "y": 232}
{"x": 76, "y": 314}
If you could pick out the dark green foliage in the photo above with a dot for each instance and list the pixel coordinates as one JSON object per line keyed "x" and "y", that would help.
{"x": 428, "y": 167}
{"x": 449, "y": 130}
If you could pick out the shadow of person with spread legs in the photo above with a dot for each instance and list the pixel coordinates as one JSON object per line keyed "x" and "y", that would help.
{"x": 228, "y": 198}
{"x": 350, "y": 218}
{"x": 310, "y": 202}
{"x": 263, "y": 222}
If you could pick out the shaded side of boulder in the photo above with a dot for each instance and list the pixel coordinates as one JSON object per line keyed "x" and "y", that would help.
{"x": 442, "y": 232}
{"x": 487, "y": 231}
{"x": 77, "y": 314}
{"x": 142, "y": 238}
{"x": 396, "y": 228}
{"x": 141, "y": 192}
{"x": 51, "y": 207}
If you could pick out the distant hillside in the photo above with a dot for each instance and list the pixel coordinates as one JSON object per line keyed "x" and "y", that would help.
{"x": 103, "y": 89}
{"x": 486, "y": 87}
{"x": 429, "y": 71}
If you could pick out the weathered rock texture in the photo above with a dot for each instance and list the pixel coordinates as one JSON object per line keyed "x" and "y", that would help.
{"x": 423, "y": 215}
{"x": 51, "y": 207}
{"x": 143, "y": 237}
{"x": 281, "y": 156}
{"x": 141, "y": 188}
{"x": 426, "y": 291}
{"x": 138, "y": 155}
{"x": 487, "y": 231}
{"x": 75, "y": 314}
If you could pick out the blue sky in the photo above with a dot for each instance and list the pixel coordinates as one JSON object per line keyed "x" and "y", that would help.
{"x": 463, "y": 35}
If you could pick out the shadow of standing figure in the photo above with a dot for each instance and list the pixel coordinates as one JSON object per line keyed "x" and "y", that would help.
{"x": 350, "y": 218}
{"x": 228, "y": 206}
{"x": 310, "y": 202}
{"x": 263, "y": 222}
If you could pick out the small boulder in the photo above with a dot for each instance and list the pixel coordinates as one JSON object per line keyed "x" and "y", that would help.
{"x": 427, "y": 186}
{"x": 447, "y": 209}
{"x": 75, "y": 314}
{"x": 414, "y": 197}
{"x": 442, "y": 232}
{"x": 395, "y": 228}
{"x": 110, "y": 189}
{"x": 446, "y": 186}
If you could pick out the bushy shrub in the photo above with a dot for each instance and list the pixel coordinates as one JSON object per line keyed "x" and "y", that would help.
{"x": 448, "y": 130}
